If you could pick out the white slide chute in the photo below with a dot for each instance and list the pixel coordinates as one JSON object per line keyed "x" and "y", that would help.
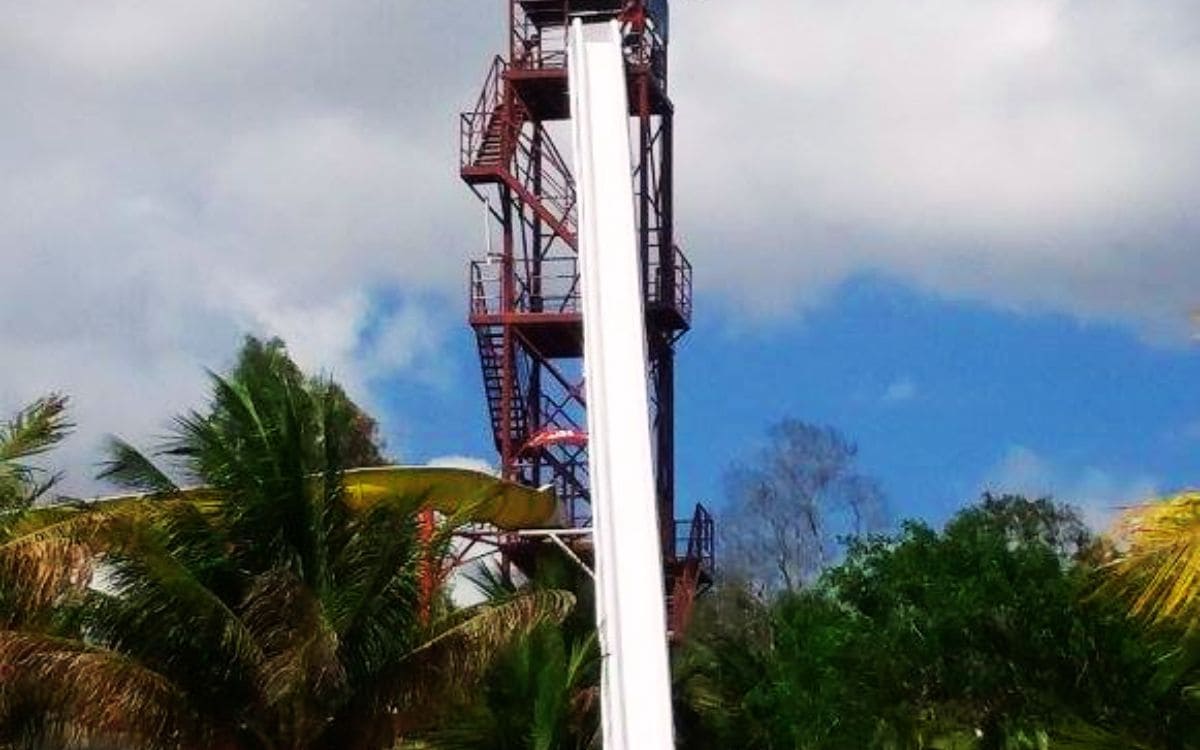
{"x": 635, "y": 685}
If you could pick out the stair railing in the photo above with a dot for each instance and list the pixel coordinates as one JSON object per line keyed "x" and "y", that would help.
{"x": 473, "y": 125}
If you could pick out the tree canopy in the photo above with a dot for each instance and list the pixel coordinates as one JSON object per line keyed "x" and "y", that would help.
{"x": 984, "y": 634}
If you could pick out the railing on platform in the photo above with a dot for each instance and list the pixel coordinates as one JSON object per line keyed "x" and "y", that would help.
{"x": 671, "y": 288}
{"x": 539, "y": 47}
{"x": 695, "y": 539}
{"x": 552, "y": 286}
{"x": 552, "y": 289}
{"x": 540, "y": 36}
{"x": 541, "y": 168}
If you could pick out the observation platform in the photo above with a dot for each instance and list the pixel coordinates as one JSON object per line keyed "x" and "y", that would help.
{"x": 538, "y": 69}
{"x": 547, "y": 309}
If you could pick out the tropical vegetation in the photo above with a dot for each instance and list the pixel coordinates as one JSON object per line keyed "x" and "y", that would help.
{"x": 987, "y": 634}
{"x": 232, "y": 596}
{"x": 256, "y": 610}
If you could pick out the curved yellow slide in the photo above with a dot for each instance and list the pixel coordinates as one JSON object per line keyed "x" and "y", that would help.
{"x": 475, "y": 496}
{"x": 499, "y": 502}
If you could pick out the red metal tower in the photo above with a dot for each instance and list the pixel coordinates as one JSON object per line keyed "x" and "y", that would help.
{"x": 524, "y": 298}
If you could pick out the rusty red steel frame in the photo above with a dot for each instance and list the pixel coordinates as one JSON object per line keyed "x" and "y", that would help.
{"x": 524, "y": 298}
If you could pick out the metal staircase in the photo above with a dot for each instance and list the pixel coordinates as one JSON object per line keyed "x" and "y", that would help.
{"x": 491, "y": 357}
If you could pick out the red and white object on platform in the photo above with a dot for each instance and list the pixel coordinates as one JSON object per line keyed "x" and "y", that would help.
{"x": 548, "y": 437}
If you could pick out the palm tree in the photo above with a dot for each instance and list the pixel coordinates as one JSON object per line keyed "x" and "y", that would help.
{"x": 261, "y": 608}
{"x": 31, "y": 432}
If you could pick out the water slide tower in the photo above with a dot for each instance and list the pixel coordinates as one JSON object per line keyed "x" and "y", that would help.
{"x": 525, "y": 306}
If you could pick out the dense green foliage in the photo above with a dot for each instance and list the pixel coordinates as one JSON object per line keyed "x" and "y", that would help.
{"x": 984, "y": 635}
{"x": 260, "y": 361}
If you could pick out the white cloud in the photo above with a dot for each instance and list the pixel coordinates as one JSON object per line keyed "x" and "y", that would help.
{"x": 179, "y": 174}
{"x": 1033, "y": 154}
{"x": 900, "y": 390}
{"x": 1098, "y": 493}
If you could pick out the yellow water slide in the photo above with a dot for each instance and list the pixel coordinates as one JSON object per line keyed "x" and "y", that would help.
{"x": 472, "y": 496}
{"x": 483, "y": 497}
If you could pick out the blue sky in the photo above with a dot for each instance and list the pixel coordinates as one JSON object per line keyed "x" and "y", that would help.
{"x": 964, "y": 232}
{"x": 947, "y": 398}
{"x": 944, "y": 398}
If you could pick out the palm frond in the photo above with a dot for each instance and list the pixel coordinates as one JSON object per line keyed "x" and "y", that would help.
{"x": 35, "y": 429}
{"x": 50, "y": 551}
{"x": 47, "y": 551}
{"x": 300, "y": 663}
{"x": 1079, "y": 735}
{"x": 493, "y": 581}
{"x": 235, "y": 401}
{"x": 74, "y": 695}
{"x": 454, "y": 660}
{"x": 1158, "y": 568}
{"x": 163, "y": 615}
{"x": 129, "y": 468}
{"x": 375, "y": 597}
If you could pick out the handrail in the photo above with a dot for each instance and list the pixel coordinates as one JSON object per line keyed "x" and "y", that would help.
{"x": 698, "y": 536}
{"x": 544, "y": 46}
{"x": 473, "y": 126}
{"x": 675, "y": 291}
{"x": 555, "y": 185}
{"x": 558, "y": 287}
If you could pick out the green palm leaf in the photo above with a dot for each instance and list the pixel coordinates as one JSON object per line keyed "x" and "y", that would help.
{"x": 35, "y": 429}
{"x": 31, "y": 432}
{"x": 129, "y": 468}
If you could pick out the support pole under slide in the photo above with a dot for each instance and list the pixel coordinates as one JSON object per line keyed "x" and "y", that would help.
{"x": 635, "y": 685}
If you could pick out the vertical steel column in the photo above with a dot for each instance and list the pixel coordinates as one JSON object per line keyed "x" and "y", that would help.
{"x": 536, "y": 303}
{"x": 508, "y": 378}
{"x": 665, "y": 372}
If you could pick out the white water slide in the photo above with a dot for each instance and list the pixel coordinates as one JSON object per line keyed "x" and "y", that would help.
{"x": 635, "y": 685}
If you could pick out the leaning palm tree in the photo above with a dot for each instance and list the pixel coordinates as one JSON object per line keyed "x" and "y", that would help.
{"x": 241, "y": 598}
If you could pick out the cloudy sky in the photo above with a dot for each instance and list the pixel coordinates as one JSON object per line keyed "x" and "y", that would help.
{"x": 961, "y": 230}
